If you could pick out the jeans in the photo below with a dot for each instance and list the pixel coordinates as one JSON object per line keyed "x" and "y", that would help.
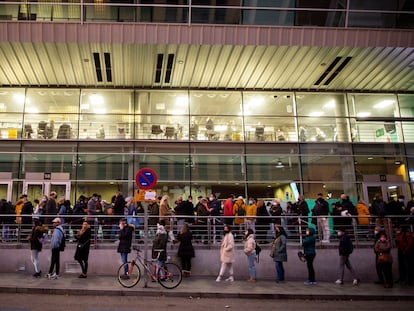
{"x": 252, "y": 267}
{"x": 124, "y": 257}
{"x": 323, "y": 228}
{"x": 35, "y": 260}
{"x": 280, "y": 270}
{"x": 344, "y": 262}
{"x": 309, "y": 264}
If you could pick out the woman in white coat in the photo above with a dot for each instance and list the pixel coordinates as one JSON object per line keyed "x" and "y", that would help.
{"x": 226, "y": 255}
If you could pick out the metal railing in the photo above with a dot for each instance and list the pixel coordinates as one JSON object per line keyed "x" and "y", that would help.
{"x": 83, "y": 11}
{"x": 207, "y": 231}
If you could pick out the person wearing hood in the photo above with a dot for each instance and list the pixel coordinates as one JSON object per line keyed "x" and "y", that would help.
{"x": 280, "y": 252}
{"x": 250, "y": 251}
{"x": 310, "y": 254}
{"x": 125, "y": 241}
{"x": 159, "y": 245}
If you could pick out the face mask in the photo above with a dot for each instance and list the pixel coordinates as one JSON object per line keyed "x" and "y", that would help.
{"x": 250, "y": 202}
{"x": 211, "y": 199}
{"x": 190, "y": 201}
{"x": 339, "y": 233}
{"x": 376, "y": 232}
{"x": 383, "y": 239}
{"x": 400, "y": 200}
{"x": 398, "y": 232}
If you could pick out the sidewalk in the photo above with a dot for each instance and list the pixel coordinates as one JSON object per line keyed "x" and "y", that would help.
{"x": 203, "y": 287}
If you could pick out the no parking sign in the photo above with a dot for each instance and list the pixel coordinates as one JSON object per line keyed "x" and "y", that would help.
{"x": 146, "y": 178}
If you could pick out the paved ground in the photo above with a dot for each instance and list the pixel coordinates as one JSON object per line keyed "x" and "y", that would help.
{"x": 203, "y": 287}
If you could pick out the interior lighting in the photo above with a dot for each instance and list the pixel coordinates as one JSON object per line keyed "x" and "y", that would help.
{"x": 96, "y": 99}
{"x": 279, "y": 164}
{"x": 316, "y": 114}
{"x": 330, "y": 104}
{"x": 384, "y": 104}
{"x": 19, "y": 98}
{"x": 363, "y": 114}
{"x": 181, "y": 101}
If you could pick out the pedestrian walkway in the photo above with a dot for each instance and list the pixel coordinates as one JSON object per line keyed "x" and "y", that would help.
{"x": 202, "y": 287}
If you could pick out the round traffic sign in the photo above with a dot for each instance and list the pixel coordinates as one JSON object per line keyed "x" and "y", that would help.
{"x": 146, "y": 178}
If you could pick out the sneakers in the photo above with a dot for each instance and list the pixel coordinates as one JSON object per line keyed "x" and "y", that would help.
{"x": 230, "y": 279}
{"x": 55, "y": 276}
{"x": 218, "y": 279}
{"x": 307, "y": 282}
{"x": 37, "y": 274}
{"x": 355, "y": 282}
{"x": 82, "y": 276}
{"x": 251, "y": 280}
{"x": 125, "y": 277}
{"x": 48, "y": 275}
{"x": 339, "y": 282}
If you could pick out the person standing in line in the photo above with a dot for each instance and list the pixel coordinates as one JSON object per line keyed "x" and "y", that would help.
{"x": 262, "y": 222}
{"x": 159, "y": 246}
{"x": 50, "y": 208}
{"x": 226, "y": 255}
{"x": 228, "y": 210}
{"x": 404, "y": 241}
{"x": 250, "y": 251}
{"x": 55, "y": 244}
{"x": 321, "y": 211}
{"x": 239, "y": 210}
{"x": 251, "y": 213}
{"x": 384, "y": 258}
{"x": 36, "y": 244}
{"x": 125, "y": 240}
{"x": 280, "y": 252}
{"x": 310, "y": 254}
{"x": 185, "y": 249}
{"x": 345, "y": 250}
{"x": 82, "y": 248}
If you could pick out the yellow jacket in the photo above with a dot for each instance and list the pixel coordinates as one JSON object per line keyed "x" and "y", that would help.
{"x": 238, "y": 220}
{"x": 363, "y": 213}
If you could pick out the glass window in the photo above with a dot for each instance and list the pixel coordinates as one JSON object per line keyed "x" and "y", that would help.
{"x": 270, "y": 129}
{"x": 376, "y": 131}
{"x": 321, "y": 105}
{"x": 268, "y": 103}
{"x": 50, "y": 126}
{"x": 216, "y": 103}
{"x": 406, "y": 103}
{"x": 365, "y": 106}
{"x": 11, "y": 125}
{"x": 320, "y": 129}
{"x": 12, "y": 100}
{"x": 10, "y": 158}
{"x": 52, "y": 101}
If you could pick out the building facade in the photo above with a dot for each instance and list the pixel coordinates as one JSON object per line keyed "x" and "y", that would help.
{"x": 256, "y": 98}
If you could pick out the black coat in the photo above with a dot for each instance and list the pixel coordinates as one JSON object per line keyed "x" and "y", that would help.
{"x": 84, "y": 244}
{"x": 185, "y": 249}
{"x": 125, "y": 239}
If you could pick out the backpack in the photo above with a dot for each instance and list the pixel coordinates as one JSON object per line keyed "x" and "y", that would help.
{"x": 240, "y": 210}
{"x": 62, "y": 241}
{"x": 257, "y": 249}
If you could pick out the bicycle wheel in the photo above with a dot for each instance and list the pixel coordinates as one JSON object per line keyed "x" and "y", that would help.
{"x": 170, "y": 275}
{"x": 132, "y": 277}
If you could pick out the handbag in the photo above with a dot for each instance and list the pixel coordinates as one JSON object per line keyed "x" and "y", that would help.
{"x": 384, "y": 258}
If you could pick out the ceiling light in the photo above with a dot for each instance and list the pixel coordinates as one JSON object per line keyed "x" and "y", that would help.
{"x": 279, "y": 164}
{"x": 182, "y": 101}
{"x": 370, "y": 158}
{"x": 397, "y": 162}
{"x": 330, "y": 104}
{"x": 363, "y": 114}
{"x": 384, "y": 104}
{"x": 96, "y": 99}
{"x": 316, "y": 114}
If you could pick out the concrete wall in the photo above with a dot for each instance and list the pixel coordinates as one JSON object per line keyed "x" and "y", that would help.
{"x": 105, "y": 261}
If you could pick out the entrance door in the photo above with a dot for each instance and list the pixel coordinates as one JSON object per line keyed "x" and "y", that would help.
{"x": 36, "y": 189}
{"x": 6, "y": 190}
{"x": 388, "y": 190}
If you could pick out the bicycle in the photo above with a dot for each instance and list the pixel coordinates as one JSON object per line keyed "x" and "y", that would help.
{"x": 168, "y": 276}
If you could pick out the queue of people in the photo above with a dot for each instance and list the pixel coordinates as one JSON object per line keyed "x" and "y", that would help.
{"x": 231, "y": 221}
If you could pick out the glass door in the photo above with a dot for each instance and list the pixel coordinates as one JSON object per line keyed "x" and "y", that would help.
{"x": 388, "y": 190}
{"x": 6, "y": 190}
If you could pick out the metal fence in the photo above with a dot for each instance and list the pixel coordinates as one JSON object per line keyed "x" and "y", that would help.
{"x": 207, "y": 231}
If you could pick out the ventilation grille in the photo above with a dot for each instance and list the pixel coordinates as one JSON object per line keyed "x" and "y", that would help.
{"x": 333, "y": 70}
{"x": 162, "y": 70}
{"x": 99, "y": 69}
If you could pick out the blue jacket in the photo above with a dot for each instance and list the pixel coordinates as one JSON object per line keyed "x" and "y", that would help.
{"x": 56, "y": 237}
{"x": 309, "y": 243}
